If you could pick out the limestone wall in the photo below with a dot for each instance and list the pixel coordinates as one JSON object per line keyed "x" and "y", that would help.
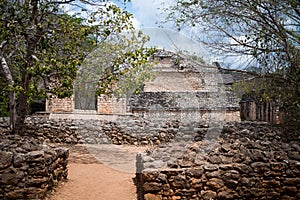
{"x": 191, "y": 106}
{"x": 28, "y": 169}
{"x": 248, "y": 161}
{"x": 55, "y": 105}
{"x": 110, "y": 105}
{"x": 142, "y": 128}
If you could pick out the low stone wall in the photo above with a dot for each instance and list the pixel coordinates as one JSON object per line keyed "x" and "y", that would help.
{"x": 248, "y": 161}
{"x": 29, "y": 169}
{"x": 112, "y": 129}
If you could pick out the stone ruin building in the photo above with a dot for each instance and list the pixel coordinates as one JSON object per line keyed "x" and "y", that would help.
{"x": 180, "y": 85}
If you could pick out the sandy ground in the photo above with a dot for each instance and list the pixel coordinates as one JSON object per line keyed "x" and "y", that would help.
{"x": 89, "y": 179}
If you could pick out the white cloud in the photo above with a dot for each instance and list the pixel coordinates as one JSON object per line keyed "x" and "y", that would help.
{"x": 149, "y": 12}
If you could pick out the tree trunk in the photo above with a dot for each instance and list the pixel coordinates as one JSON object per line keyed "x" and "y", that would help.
{"x": 22, "y": 105}
{"x": 11, "y": 95}
{"x": 22, "y": 110}
{"x": 12, "y": 111}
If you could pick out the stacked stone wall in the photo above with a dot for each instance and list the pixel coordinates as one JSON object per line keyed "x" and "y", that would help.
{"x": 249, "y": 161}
{"x": 55, "y": 105}
{"x": 119, "y": 130}
{"x": 195, "y": 106}
{"x": 146, "y": 128}
{"x": 28, "y": 169}
{"x": 110, "y": 105}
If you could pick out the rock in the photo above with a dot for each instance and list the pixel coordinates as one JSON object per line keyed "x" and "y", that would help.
{"x": 231, "y": 183}
{"x": 155, "y": 164}
{"x": 151, "y": 186}
{"x": 11, "y": 177}
{"x": 162, "y": 178}
{"x": 232, "y": 174}
{"x": 270, "y": 184}
{"x": 34, "y": 182}
{"x": 35, "y": 156}
{"x": 248, "y": 182}
{"x": 6, "y": 159}
{"x": 210, "y": 167}
{"x": 213, "y": 174}
{"x": 290, "y": 190}
{"x": 228, "y": 194}
{"x": 195, "y": 172}
{"x": 196, "y": 183}
{"x": 19, "y": 160}
{"x": 278, "y": 166}
{"x": 215, "y": 183}
{"x": 294, "y": 155}
{"x": 150, "y": 176}
{"x": 152, "y": 197}
{"x": 180, "y": 181}
{"x": 15, "y": 194}
{"x": 260, "y": 167}
{"x": 208, "y": 195}
{"x": 291, "y": 181}
{"x": 215, "y": 159}
{"x": 242, "y": 168}
{"x": 146, "y": 158}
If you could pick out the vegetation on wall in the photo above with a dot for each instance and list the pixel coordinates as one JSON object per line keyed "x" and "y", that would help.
{"x": 265, "y": 31}
{"x": 42, "y": 45}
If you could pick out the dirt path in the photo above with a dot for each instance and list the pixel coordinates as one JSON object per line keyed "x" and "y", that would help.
{"x": 89, "y": 179}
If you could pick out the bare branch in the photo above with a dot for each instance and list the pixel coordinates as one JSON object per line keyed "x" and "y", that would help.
{"x": 2, "y": 45}
{"x": 61, "y": 2}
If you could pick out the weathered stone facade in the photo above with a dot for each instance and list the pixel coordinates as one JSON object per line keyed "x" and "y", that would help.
{"x": 248, "y": 161}
{"x": 254, "y": 109}
{"x": 29, "y": 169}
{"x": 55, "y": 105}
{"x": 174, "y": 76}
{"x": 110, "y": 105}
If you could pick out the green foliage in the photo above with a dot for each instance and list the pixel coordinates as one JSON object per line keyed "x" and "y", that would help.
{"x": 119, "y": 66}
{"x": 45, "y": 45}
{"x": 268, "y": 31}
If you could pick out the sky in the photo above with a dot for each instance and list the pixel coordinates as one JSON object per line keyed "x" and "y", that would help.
{"x": 146, "y": 12}
{"x": 148, "y": 16}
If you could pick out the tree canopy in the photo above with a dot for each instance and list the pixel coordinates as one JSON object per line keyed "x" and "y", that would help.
{"x": 42, "y": 45}
{"x": 265, "y": 30}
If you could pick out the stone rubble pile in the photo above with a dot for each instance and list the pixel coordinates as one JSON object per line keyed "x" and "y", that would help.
{"x": 248, "y": 161}
{"x": 28, "y": 169}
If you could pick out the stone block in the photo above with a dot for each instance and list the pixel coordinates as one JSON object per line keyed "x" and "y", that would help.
{"x": 152, "y": 197}
{"x": 152, "y": 186}
{"x": 6, "y": 159}
{"x": 215, "y": 183}
{"x": 208, "y": 194}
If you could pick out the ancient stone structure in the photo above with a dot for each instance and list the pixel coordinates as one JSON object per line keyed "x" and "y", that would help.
{"x": 174, "y": 76}
{"x": 97, "y": 129}
{"x": 28, "y": 169}
{"x": 253, "y": 109}
{"x": 248, "y": 161}
{"x": 55, "y": 105}
{"x": 110, "y": 105}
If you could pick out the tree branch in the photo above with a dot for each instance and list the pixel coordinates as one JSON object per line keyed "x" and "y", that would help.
{"x": 5, "y": 67}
